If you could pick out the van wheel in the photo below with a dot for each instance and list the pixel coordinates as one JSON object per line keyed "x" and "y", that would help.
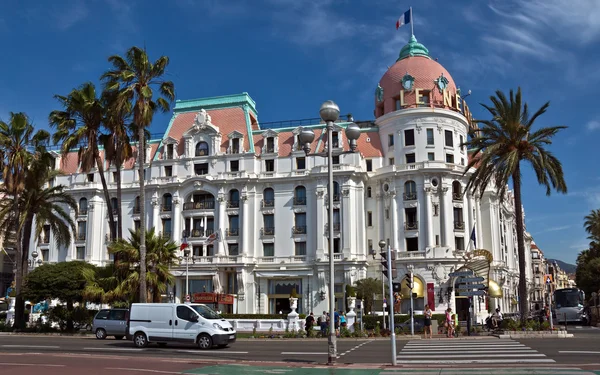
{"x": 118, "y": 337}
{"x": 140, "y": 340}
{"x": 204, "y": 341}
{"x": 100, "y": 334}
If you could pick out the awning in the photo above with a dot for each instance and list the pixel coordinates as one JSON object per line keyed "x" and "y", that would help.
{"x": 289, "y": 274}
{"x": 192, "y": 273}
{"x": 417, "y": 288}
{"x": 479, "y": 262}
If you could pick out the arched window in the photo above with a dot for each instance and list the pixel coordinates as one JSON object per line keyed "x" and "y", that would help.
{"x": 268, "y": 197}
{"x": 234, "y": 198}
{"x": 136, "y": 205}
{"x": 300, "y": 196}
{"x": 114, "y": 205}
{"x": 83, "y": 206}
{"x": 202, "y": 149}
{"x": 410, "y": 191}
{"x": 167, "y": 202}
{"x": 456, "y": 190}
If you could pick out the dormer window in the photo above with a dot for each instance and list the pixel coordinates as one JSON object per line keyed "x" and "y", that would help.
{"x": 270, "y": 138}
{"x": 169, "y": 154}
{"x": 202, "y": 149}
{"x": 236, "y": 142}
{"x": 235, "y": 146}
{"x": 270, "y": 144}
{"x": 335, "y": 140}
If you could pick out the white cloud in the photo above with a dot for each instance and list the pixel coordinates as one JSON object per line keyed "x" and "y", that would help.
{"x": 553, "y": 229}
{"x": 70, "y": 15}
{"x": 591, "y": 195}
{"x": 593, "y": 125}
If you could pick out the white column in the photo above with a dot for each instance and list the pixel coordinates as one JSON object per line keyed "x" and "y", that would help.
{"x": 320, "y": 220}
{"x": 346, "y": 222}
{"x": 155, "y": 213}
{"x": 381, "y": 209}
{"x": 394, "y": 213}
{"x": 246, "y": 217}
{"x": 429, "y": 218}
{"x": 470, "y": 220}
{"x": 176, "y": 218}
{"x": 447, "y": 218}
{"x": 222, "y": 204}
{"x": 479, "y": 225}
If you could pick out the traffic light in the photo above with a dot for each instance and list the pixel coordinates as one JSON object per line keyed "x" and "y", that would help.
{"x": 389, "y": 263}
{"x": 410, "y": 280}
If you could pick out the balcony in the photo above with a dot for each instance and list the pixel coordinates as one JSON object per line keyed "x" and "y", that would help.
{"x": 232, "y": 232}
{"x": 279, "y": 260}
{"x": 166, "y": 207}
{"x": 136, "y": 210}
{"x": 268, "y": 203}
{"x": 233, "y": 203}
{"x": 459, "y": 225}
{"x": 80, "y": 237}
{"x": 411, "y": 225}
{"x": 457, "y": 196}
{"x": 410, "y": 196}
{"x": 204, "y": 205}
{"x": 411, "y": 255}
{"x": 166, "y": 235}
{"x": 299, "y": 229}
{"x": 299, "y": 201}
{"x": 82, "y": 212}
{"x": 267, "y": 231}
{"x": 200, "y": 233}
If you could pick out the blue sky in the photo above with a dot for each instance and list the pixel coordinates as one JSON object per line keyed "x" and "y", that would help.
{"x": 290, "y": 55}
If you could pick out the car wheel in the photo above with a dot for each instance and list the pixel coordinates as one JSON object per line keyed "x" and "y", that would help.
{"x": 205, "y": 341}
{"x": 100, "y": 334}
{"x": 140, "y": 340}
{"x": 119, "y": 337}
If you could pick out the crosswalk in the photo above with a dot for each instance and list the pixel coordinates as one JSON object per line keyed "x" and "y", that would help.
{"x": 452, "y": 351}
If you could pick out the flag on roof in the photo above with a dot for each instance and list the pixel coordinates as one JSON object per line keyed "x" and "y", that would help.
{"x": 404, "y": 19}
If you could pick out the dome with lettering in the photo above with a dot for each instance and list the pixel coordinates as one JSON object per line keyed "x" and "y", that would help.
{"x": 415, "y": 80}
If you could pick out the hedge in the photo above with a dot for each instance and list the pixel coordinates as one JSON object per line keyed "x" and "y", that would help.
{"x": 259, "y": 316}
{"x": 370, "y": 321}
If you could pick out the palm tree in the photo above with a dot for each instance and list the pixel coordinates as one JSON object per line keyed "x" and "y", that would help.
{"x": 499, "y": 147}
{"x": 117, "y": 144}
{"x": 592, "y": 225}
{"x": 136, "y": 77}
{"x": 19, "y": 145}
{"x": 79, "y": 125}
{"x": 162, "y": 253}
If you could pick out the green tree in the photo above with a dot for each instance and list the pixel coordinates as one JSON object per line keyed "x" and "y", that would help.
{"x": 79, "y": 125}
{"x": 592, "y": 225}
{"x": 162, "y": 252}
{"x": 366, "y": 289}
{"x": 499, "y": 146}
{"x": 20, "y": 145}
{"x": 63, "y": 281}
{"x": 587, "y": 274}
{"x": 136, "y": 77}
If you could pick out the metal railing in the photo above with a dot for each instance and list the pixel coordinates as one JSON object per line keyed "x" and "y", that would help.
{"x": 457, "y": 196}
{"x": 136, "y": 210}
{"x": 166, "y": 235}
{"x": 459, "y": 224}
{"x": 411, "y": 225}
{"x": 268, "y": 231}
{"x": 206, "y": 205}
{"x": 166, "y": 207}
{"x": 299, "y": 229}
{"x": 299, "y": 201}
{"x": 410, "y": 196}
{"x": 80, "y": 237}
{"x": 233, "y": 232}
{"x": 268, "y": 203}
{"x": 82, "y": 212}
{"x": 233, "y": 204}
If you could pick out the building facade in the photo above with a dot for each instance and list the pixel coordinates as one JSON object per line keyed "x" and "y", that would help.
{"x": 218, "y": 170}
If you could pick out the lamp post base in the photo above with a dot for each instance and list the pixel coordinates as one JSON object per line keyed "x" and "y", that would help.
{"x": 332, "y": 343}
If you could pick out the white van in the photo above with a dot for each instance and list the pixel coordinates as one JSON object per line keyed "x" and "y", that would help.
{"x": 177, "y": 322}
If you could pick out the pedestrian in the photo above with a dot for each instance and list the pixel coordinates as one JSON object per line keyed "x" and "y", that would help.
{"x": 449, "y": 324}
{"x": 310, "y": 321}
{"x": 343, "y": 321}
{"x": 336, "y": 322}
{"x": 324, "y": 320}
{"x": 427, "y": 321}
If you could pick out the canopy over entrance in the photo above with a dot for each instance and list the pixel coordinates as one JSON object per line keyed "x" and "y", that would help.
{"x": 479, "y": 262}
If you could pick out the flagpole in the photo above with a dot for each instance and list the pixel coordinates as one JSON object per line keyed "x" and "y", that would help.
{"x": 412, "y": 22}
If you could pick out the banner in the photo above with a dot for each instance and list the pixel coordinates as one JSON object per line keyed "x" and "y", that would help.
{"x": 431, "y": 296}
{"x": 224, "y": 299}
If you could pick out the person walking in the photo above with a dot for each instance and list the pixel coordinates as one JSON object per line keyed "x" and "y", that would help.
{"x": 324, "y": 321}
{"x": 449, "y": 323}
{"x": 310, "y": 321}
{"x": 427, "y": 323}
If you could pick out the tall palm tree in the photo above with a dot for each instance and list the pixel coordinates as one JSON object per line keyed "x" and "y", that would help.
{"x": 136, "y": 77}
{"x": 592, "y": 225}
{"x": 79, "y": 124}
{"x": 117, "y": 143}
{"x": 499, "y": 146}
{"x": 161, "y": 254}
{"x": 19, "y": 145}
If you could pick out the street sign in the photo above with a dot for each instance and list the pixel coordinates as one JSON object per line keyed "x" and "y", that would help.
{"x": 461, "y": 273}
{"x": 470, "y": 279}
{"x": 471, "y": 286}
{"x": 470, "y": 294}
{"x": 548, "y": 278}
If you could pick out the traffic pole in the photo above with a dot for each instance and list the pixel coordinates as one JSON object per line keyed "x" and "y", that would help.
{"x": 391, "y": 299}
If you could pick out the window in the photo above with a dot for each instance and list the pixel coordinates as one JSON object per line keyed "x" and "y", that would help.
{"x": 103, "y": 314}
{"x": 46, "y": 255}
{"x": 410, "y": 190}
{"x": 300, "y": 223}
{"x": 390, "y": 140}
{"x": 80, "y": 252}
{"x": 369, "y": 219}
{"x": 436, "y": 209}
{"x": 234, "y": 225}
{"x": 136, "y": 225}
{"x": 166, "y": 226}
{"x": 270, "y": 165}
{"x": 412, "y": 244}
{"x": 168, "y": 171}
{"x": 369, "y": 192}
{"x": 369, "y": 163}
{"x": 201, "y": 149}
{"x": 336, "y": 245}
{"x": 409, "y": 137}
{"x": 300, "y": 196}
{"x": 459, "y": 243}
{"x": 90, "y": 177}
{"x": 301, "y": 163}
{"x": 370, "y": 245}
{"x": 392, "y": 161}
{"x": 269, "y": 225}
{"x": 169, "y": 154}
{"x": 270, "y": 144}
{"x": 234, "y": 165}
{"x": 335, "y": 139}
{"x": 411, "y": 218}
{"x": 336, "y": 191}
{"x": 456, "y": 190}
{"x": 83, "y": 206}
{"x": 387, "y": 213}
{"x": 268, "y": 249}
{"x": 430, "y": 156}
{"x": 185, "y": 313}
{"x": 462, "y": 147}
{"x": 410, "y": 158}
{"x": 450, "y": 158}
{"x": 114, "y": 176}
{"x": 398, "y": 106}
{"x": 430, "y": 138}
{"x": 81, "y": 230}
{"x": 235, "y": 146}
{"x": 234, "y": 249}
{"x": 167, "y": 202}
{"x": 449, "y": 138}
{"x": 45, "y": 235}
{"x": 335, "y": 159}
{"x": 234, "y": 198}
{"x": 300, "y": 249}
{"x": 201, "y": 169}
{"x": 114, "y": 205}
{"x": 117, "y": 315}
{"x": 268, "y": 197}
{"x": 136, "y": 205}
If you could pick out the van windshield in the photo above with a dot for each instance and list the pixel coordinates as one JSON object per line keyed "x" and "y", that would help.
{"x": 206, "y": 312}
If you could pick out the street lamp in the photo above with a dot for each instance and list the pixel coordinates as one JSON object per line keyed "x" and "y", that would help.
{"x": 34, "y": 259}
{"x": 329, "y": 113}
{"x": 382, "y": 245}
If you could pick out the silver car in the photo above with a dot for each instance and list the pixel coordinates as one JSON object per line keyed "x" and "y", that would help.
{"x": 110, "y": 322}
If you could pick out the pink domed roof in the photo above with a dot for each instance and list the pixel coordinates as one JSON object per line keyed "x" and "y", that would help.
{"x": 413, "y": 64}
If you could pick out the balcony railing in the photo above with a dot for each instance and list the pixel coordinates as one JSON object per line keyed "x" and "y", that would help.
{"x": 411, "y": 225}
{"x": 115, "y": 211}
{"x": 336, "y": 197}
{"x": 299, "y": 201}
{"x": 299, "y": 229}
{"x": 457, "y": 196}
{"x": 268, "y": 203}
{"x": 83, "y": 211}
{"x": 268, "y": 231}
{"x": 233, "y": 232}
{"x": 205, "y": 205}
{"x": 459, "y": 225}
{"x": 45, "y": 239}
{"x": 233, "y": 203}
{"x": 166, "y": 207}
{"x": 166, "y": 235}
{"x": 410, "y": 196}
{"x": 136, "y": 210}
{"x": 80, "y": 237}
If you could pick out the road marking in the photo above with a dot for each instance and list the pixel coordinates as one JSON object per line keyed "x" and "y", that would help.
{"x": 472, "y": 355}
{"x": 462, "y": 361}
{"x": 303, "y": 353}
{"x": 30, "y": 364}
{"x": 458, "y": 352}
{"x": 577, "y": 352}
{"x": 491, "y": 371}
{"x": 116, "y": 349}
{"x": 142, "y": 370}
{"x": 32, "y": 346}
{"x": 354, "y": 348}
{"x": 210, "y": 352}
{"x": 441, "y": 347}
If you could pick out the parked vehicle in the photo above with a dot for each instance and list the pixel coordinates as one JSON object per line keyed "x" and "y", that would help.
{"x": 110, "y": 322}
{"x": 175, "y": 322}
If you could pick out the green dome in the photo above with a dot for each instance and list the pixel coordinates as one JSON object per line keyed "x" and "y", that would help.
{"x": 413, "y": 48}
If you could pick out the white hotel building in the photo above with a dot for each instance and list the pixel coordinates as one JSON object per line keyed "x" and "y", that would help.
{"x": 218, "y": 168}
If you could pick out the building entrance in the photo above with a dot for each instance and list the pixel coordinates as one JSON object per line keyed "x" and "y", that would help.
{"x": 462, "y": 308}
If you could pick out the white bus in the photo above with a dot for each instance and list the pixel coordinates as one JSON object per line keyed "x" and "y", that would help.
{"x": 568, "y": 304}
